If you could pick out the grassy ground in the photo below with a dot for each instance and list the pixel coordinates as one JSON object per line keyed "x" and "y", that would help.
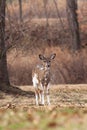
{"x": 68, "y": 110}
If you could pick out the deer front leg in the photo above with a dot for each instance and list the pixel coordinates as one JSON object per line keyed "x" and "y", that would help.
{"x": 48, "y": 97}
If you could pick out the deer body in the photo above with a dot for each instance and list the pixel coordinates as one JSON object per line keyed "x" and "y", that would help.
{"x": 41, "y": 79}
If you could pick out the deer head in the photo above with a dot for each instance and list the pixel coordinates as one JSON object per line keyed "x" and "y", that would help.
{"x": 47, "y": 60}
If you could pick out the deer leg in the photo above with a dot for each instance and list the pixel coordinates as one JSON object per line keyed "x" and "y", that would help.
{"x": 48, "y": 97}
{"x": 42, "y": 98}
{"x": 37, "y": 97}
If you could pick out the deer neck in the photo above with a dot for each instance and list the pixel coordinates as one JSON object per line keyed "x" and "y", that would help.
{"x": 46, "y": 72}
{"x": 46, "y": 69}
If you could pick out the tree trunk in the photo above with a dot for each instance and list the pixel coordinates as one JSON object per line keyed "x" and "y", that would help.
{"x": 46, "y": 15}
{"x": 20, "y": 11}
{"x": 73, "y": 22}
{"x": 4, "y": 79}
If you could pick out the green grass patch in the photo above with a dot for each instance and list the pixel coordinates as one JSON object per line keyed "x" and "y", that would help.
{"x": 38, "y": 119}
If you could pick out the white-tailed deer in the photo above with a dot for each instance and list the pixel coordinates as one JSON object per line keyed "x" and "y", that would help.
{"x": 41, "y": 78}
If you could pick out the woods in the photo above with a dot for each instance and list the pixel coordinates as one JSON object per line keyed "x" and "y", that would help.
{"x": 44, "y": 29}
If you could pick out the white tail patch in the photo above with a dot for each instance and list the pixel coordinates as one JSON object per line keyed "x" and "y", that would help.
{"x": 35, "y": 80}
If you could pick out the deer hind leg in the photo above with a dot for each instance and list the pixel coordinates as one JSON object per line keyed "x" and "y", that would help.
{"x": 35, "y": 84}
{"x": 37, "y": 97}
{"x": 41, "y": 94}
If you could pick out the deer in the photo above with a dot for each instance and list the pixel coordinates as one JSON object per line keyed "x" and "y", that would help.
{"x": 41, "y": 77}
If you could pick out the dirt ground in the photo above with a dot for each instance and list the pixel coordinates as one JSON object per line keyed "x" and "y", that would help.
{"x": 61, "y": 96}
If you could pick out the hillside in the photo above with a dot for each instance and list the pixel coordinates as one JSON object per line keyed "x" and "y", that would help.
{"x": 68, "y": 109}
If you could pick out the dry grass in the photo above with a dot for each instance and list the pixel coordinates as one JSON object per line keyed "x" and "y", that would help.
{"x": 62, "y": 96}
{"x": 66, "y": 68}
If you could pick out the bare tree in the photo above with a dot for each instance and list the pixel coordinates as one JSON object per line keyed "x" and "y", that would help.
{"x": 45, "y": 2}
{"x": 73, "y": 22}
{"x": 58, "y": 15}
{"x": 20, "y": 11}
{"x": 4, "y": 79}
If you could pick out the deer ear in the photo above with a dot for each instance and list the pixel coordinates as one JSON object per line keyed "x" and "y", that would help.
{"x": 41, "y": 57}
{"x": 53, "y": 56}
